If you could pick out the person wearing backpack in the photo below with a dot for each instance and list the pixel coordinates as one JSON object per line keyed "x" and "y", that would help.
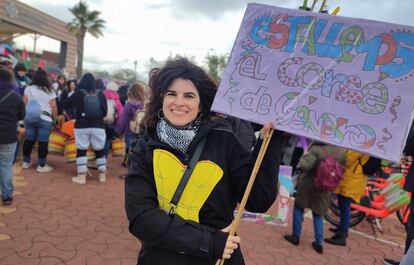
{"x": 129, "y": 124}
{"x": 91, "y": 109}
{"x": 352, "y": 189}
{"x": 115, "y": 110}
{"x": 11, "y": 111}
{"x": 308, "y": 195}
{"x": 40, "y": 101}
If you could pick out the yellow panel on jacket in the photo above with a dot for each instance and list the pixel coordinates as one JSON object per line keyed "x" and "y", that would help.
{"x": 168, "y": 171}
{"x": 354, "y": 181}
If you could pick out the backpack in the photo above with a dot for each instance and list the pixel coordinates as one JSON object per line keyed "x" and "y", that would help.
{"x": 91, "y": 106}
{"x": 33, "y": 110}
{"x": 111, "y": 112}
{"x": 135, "y": 123}
{"x": 329, "y": 173}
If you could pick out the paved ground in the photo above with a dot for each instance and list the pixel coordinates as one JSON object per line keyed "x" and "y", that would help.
{"x": 53, "y": 221}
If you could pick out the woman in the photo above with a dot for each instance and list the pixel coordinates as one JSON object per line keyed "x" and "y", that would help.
{"x": 351, "y": 189}
{"x": 70, "y": 113}
{"x": 90, "y": 108}
{"x": 136, "y": 100}
{"x": 115, "y": 110}
{"x": 39, "y": 91}
{"x": 308, "y": 196}
{"x": 178, "y": 118}
{"x": 11, "y": 112}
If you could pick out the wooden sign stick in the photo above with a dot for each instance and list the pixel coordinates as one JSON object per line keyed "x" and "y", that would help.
{"x": 262, "y": 151}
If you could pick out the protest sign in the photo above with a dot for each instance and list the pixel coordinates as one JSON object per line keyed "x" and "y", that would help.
{"x": 282, "y": 206}
{"x": 343, "y": 81}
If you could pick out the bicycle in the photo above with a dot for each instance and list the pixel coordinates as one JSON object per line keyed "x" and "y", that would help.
{"x": 373, "y": 206}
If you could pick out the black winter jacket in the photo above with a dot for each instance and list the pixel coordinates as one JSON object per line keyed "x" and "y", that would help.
{"x": 11, "y": 111}
{"x": 173, "y": 239}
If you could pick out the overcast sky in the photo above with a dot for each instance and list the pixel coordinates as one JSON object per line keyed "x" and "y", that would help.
{"x": 140, "y": 29}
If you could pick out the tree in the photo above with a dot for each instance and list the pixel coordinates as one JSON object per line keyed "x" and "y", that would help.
{"x": 216, "y": 65}
{"x": 85, "y": 21}
{"x": 125, "y": 74}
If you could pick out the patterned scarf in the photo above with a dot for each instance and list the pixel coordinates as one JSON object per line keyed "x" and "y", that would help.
{"x": 177, "y": 138}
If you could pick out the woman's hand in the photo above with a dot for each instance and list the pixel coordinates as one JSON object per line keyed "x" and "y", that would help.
{"x": 266, "y": 129}
{"x": 232, "y": 243}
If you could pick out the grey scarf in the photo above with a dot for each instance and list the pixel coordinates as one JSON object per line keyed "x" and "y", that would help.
{"x": 177, "y": 138}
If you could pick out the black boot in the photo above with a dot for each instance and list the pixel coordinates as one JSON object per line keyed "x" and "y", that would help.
{"x": 339, "y": 240}
{"x": 335, "y": 230}
{"x": 317, "y": 248}
{"x": 292, "y": 239}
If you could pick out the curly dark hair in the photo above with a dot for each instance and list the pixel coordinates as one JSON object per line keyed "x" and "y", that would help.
{"x": 162, "y": 80}
{"x": 41, "y": 80}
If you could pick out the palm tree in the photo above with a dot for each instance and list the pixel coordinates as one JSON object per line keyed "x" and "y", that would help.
{"x": 85, "y": 21}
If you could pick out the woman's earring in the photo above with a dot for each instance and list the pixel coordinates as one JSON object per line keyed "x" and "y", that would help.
{"x": 160, "y": 114}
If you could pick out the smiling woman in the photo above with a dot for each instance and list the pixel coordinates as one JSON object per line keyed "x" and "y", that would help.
{"x": 187, "y": 222}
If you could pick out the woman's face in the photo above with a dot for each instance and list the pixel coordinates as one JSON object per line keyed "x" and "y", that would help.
{"x": 61, "y": 81}
{"x": 72, "y": 86}
{"x": 181, "y": 102}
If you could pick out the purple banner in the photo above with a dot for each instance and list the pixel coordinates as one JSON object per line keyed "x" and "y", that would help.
{"x": 343, "y": 81}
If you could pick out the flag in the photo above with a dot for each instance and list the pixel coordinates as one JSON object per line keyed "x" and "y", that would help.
{"x": 26, "y": 59}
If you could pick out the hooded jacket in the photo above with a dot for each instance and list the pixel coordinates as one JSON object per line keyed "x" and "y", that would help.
{"x": 128, "y": 114}
{"x": 87, "y": 83}
{"x": 308, "y": 196}
{"x": 217, "y": 184}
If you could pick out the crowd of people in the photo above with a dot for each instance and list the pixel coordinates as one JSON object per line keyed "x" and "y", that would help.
{"x": 188, "y": 167}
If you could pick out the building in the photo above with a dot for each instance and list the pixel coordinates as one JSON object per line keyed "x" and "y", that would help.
{"x": 19, "y": 18}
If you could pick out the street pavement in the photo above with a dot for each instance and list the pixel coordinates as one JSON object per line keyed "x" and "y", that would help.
{"x": 54, "y": 221}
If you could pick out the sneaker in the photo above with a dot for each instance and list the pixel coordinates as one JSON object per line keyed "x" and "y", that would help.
{"x": 44, "y": 169}
{"x": 292, "y": 239}
{"x": 390, "y": 262}
{"x": 25, "y": 165}
{"x": 102, "y": 177}
{"x": 80, "y": 179}
{"x": 7, "y": 201}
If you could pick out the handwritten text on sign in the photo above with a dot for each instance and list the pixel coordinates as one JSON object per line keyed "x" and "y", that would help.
{"x": 343, "y": 81}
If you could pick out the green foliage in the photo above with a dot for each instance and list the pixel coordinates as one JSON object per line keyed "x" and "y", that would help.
{"x": 216, "y": 65}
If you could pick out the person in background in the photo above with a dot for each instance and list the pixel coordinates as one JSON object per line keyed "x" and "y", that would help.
{"x": 178, "y": 119}
{"x": 136, "y": 101}
{"x": 115, "y": 110}
{"x": 11, "y": 111}
{"x": 99, "y": 84}
{"x": 41, "y": 92}
{"x": 123, "y": 94}
{"x": 21, "y": 79}
{"x": 90, "y": 106}
{"x": 308, "y": 196}
{"x": 70, "y": 113}
{"x": 351, "y": 189}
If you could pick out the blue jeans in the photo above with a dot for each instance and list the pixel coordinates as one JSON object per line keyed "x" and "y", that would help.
{"x": 128, "y": 140}
{"x": 317, "y": 224}
{"x": 39, "y": 131}
{"x": 344, "y": 204}
{"x": 6, "y": 169}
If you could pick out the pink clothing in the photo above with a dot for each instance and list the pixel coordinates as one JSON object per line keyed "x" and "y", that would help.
{"x": 109, "y": 94}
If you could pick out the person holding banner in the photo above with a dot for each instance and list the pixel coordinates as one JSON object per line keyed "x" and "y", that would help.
{"x": 308, "y": 196}
{"x": 187, "y": 222}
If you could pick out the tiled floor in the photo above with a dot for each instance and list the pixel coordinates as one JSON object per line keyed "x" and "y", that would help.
{"x": 53, "y": 221}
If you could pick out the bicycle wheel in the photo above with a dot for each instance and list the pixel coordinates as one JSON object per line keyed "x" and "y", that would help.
{"x": 332, "y": 216}
{"x": 403, "y": 214}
